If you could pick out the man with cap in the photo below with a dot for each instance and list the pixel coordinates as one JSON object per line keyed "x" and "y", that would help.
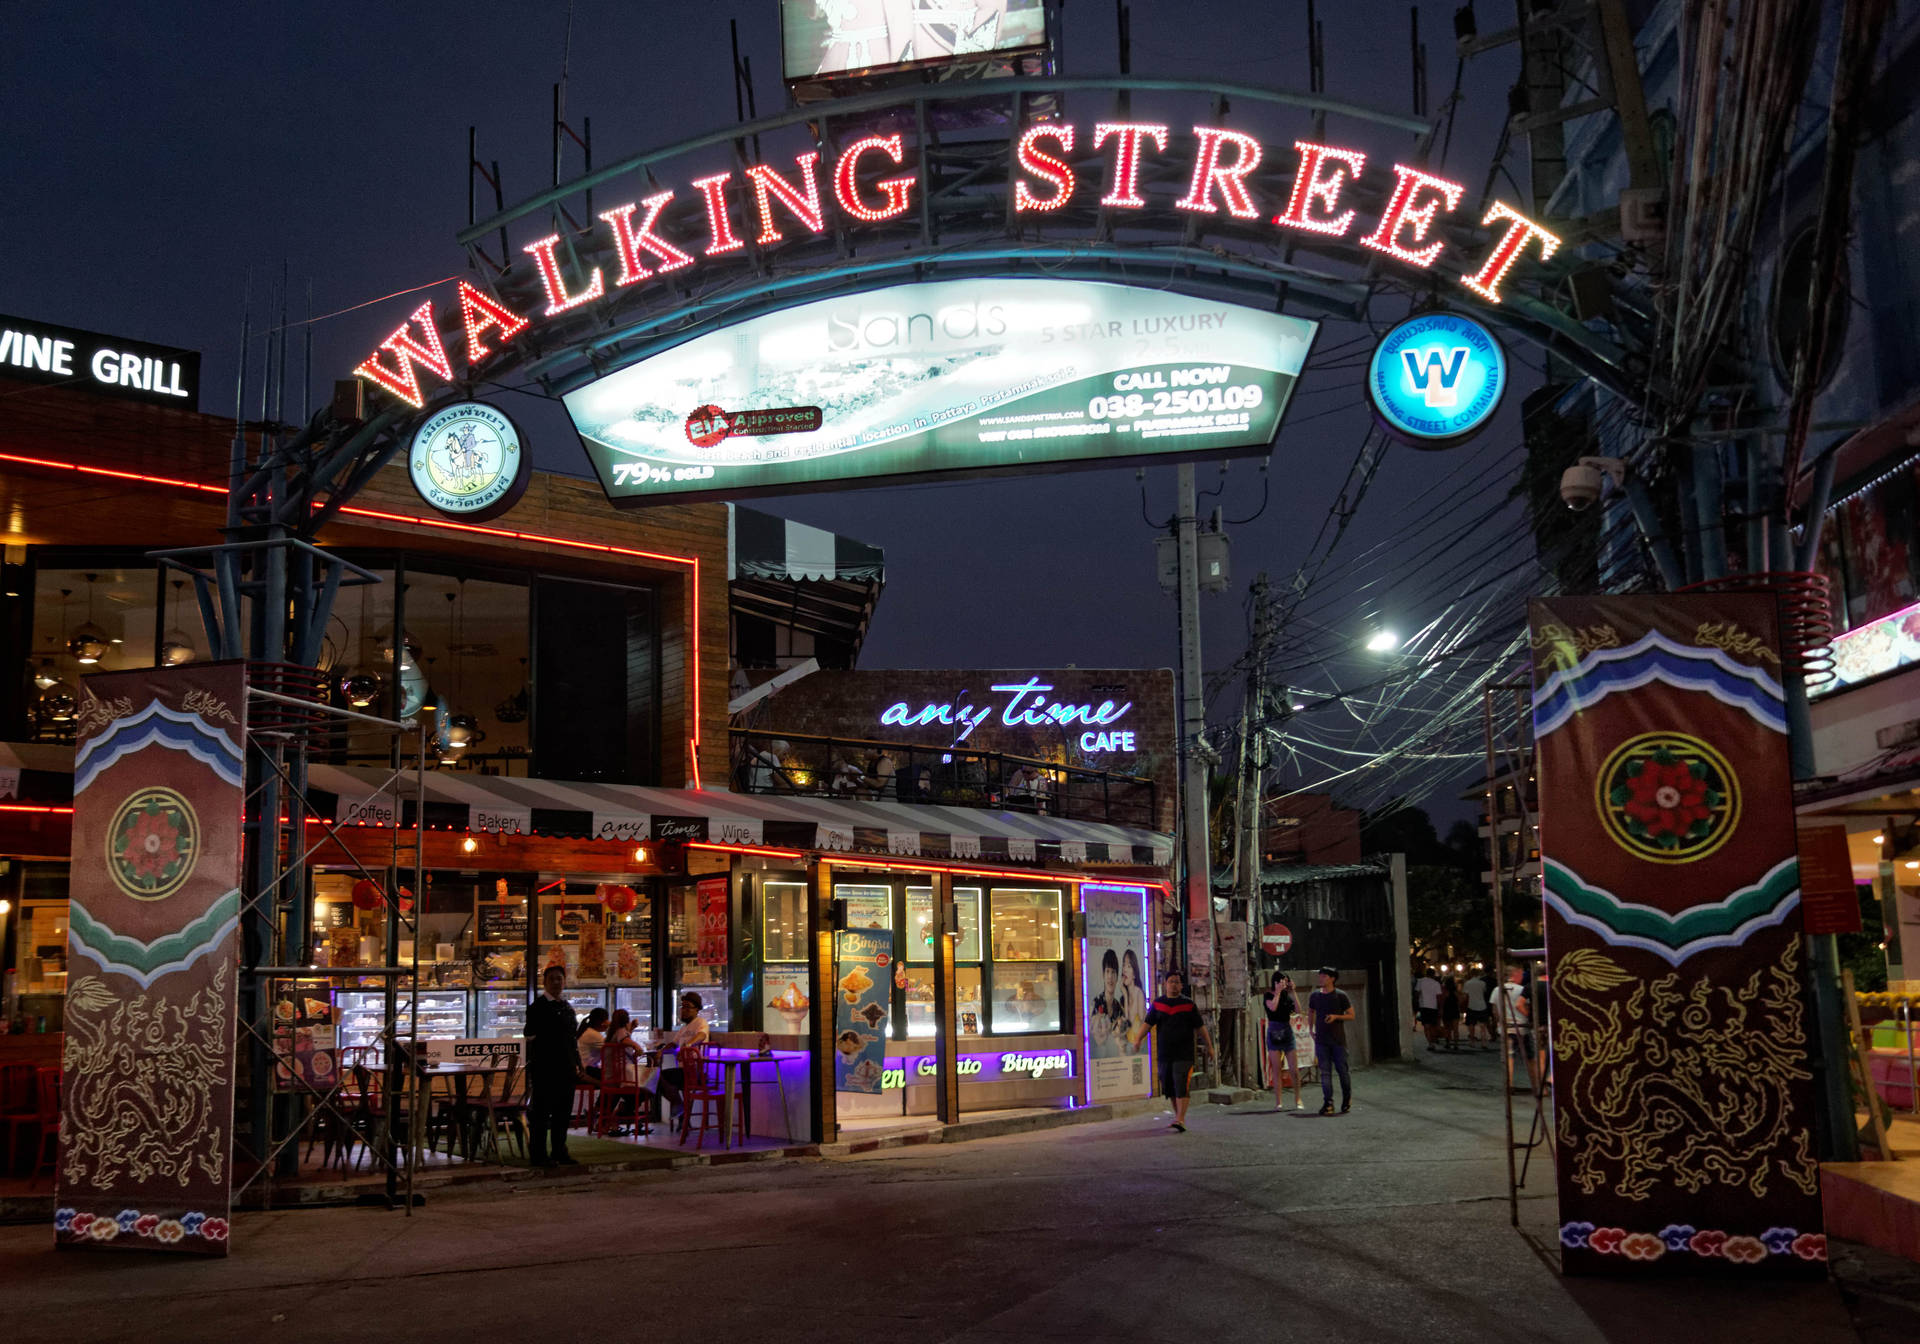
{"x": 1329, "y": 1010}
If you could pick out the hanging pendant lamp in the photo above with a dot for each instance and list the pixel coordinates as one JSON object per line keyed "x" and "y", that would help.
{"x": 88, "y": 643}
{"x": 176, "y": 646}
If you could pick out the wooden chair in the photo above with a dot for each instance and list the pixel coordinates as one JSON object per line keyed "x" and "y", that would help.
{"x": 48, "y": 1116}
{"x": 702, "y": 1097}
{"x": 505, "y": 1105}
{"x": 619, "y": 1084}
{"x": 19, "y": 1108}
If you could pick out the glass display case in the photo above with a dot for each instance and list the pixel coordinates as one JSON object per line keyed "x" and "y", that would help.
{"x": 502, "y": 1013}
{"x": 443, "y": 1016}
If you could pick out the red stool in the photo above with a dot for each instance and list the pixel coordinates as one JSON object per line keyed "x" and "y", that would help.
{"x": 703, "y": 1099}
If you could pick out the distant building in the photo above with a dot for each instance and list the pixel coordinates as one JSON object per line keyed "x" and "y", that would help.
{"x": 1309, "y": 828}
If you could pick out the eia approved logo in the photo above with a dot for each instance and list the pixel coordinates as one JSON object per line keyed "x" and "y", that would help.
{"x": 467, "y": 461}
{"x": 1436, "y": 378}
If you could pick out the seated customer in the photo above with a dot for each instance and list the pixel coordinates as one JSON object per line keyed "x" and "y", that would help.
{"x": 592, "y": 1037}
{"x": 693, "y": 1031}
{"x": 621, "y": 1067}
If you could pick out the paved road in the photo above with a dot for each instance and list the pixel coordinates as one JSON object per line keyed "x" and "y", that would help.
{"x": 1388, "y": 1224}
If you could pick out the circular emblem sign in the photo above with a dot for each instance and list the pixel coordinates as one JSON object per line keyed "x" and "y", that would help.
{"x": 707, "y": 426}
{"x": 467, "y": 461}
{"x": 1276, "y": 940}
{"x": 1668, "y": 797}
{"x": 1436, "y": 378}
{"x": 152, "y": 844}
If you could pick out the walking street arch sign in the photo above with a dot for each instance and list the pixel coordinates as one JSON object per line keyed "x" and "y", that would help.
{"x": 1150, "y": 255}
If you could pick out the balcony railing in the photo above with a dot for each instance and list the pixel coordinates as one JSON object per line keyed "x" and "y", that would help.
{"x": 849, "y": 769}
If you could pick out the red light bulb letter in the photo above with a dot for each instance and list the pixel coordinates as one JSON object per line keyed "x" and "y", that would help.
{"x": 718, "y": 225}
{"x": 1520, "y": 232}
{"x": 1405, "y": 211}
{"x": 1126, "y": 159}
{"x": 1230, "y": 178}
{"x": 633, "y": 241}
{"x": 427, "y": 352}
{"x": 480, "y": 312}
{"x": 1318, "y": 183}
{"x": 558, "y": 300}
{"x": 803, "y": 200}
{"x": 846, "y": 180}
{"x": 1045, "y": 167}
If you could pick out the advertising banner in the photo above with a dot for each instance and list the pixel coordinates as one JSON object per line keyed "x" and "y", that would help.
{"x": 1682, "y": 1096}
{"x": 947, "y": 378}
{"x": 710, "y": 947}
{"x": 862, "y": 1009}
{"x": 305, "y": 1048}
{"x": 146, "y": 1126}
{"x": 838, "y": 37}
{"x": 1118, "y": 991}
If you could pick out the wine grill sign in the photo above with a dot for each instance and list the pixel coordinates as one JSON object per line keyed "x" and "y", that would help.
{"x": 649, "y": 241}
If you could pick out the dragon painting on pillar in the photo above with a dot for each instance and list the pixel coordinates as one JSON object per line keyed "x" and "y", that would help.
{"x": 1679, "y": 1022}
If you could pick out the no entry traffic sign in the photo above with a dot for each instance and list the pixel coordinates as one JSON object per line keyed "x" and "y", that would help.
{"x": 1276, "y": 940}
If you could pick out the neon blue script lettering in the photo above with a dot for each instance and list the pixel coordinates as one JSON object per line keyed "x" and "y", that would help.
{"x": 1027, "y": 706}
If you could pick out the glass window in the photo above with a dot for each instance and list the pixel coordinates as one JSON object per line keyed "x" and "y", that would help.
{"x": 922, "y": 920}
{"x": 783, "y": 921}
{"x": 1026, "y": 997}
{"x": 922, "y": 1011}
{"x": 98, "y": 618}
{"x": 868, "y": 907}
{"x": 685, "y": 971}
{"x": 1026, "y": 924}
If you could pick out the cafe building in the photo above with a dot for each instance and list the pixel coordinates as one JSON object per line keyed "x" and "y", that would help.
{"x": 580, "y": 801}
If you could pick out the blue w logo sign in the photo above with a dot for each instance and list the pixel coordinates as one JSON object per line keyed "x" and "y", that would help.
{"x": 1435, "y": 373}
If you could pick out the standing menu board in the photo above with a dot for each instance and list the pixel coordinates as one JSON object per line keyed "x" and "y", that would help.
{"x": 501, "y": 923}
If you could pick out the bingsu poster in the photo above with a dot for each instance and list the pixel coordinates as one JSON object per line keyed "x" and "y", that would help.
{"x": 1116, "y": 990}
{"x": 958, "y": 377}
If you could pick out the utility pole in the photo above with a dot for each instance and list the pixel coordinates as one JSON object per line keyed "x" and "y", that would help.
{"x": 1198, "y": 899}
{"x": 1249, "y": 802}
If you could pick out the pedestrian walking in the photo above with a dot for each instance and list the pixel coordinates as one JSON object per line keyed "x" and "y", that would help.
{"x": 1282, "y": 1049}
{"x": 1426, "y": 993}
{"x": 1516, "y": 1021}
{"x": 553, "y": 1062}
{"x": 1176, "y": 1021}
{"x": 1329, "y": 1010}
{"x": 1479, "y": 1018}
{"x": 1450, "y": 1012}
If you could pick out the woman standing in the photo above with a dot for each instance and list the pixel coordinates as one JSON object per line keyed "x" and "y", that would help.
{"x": 1281, "y": 1005}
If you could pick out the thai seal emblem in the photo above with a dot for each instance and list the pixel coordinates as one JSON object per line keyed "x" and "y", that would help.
{"x": 468, "y": 462}
{"x": 152, "y": 844}
{"x": 1668, "y": 797}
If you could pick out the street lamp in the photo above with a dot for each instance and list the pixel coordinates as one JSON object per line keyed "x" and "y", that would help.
{"x": 1383, "y": 641}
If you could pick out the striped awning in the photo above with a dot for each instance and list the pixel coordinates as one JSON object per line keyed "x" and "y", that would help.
{"x": 623, "y": 812}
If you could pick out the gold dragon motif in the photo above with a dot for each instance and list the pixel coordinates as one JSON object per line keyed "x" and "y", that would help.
{"x": 1680, "y": 1081}
{"x": 1565, "y": 647}
{"x": 1726, "y": 635}
{"x": 142, "y": 1075}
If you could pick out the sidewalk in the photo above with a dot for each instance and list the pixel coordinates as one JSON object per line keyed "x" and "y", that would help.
{"x": 601, "y": 1159}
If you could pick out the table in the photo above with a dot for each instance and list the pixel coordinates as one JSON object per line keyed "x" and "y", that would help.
{"x": 457, "y": 1076}
{"x": 738, "y": 1063}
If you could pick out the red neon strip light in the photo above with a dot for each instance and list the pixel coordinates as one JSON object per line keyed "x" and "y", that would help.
{"x": 1027, "y": 874}
{"x": 447, "y": 524}
{"x": 34, "y": 807}
{"x": 747, "y": 849}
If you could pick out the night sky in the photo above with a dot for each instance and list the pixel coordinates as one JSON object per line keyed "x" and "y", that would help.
{"x": 160, "y": 156}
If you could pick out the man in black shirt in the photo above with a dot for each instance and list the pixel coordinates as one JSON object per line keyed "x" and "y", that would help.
{"x": 1176, "y": 1021}
{"x": 552, "y": 1061}
{"x": 1329, "y": 1009}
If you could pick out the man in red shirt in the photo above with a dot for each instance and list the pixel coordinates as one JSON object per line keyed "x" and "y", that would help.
{"x": 1176, "y": 1021}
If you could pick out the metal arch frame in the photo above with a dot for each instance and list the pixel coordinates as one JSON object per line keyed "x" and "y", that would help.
{"x": 961, "y": 224}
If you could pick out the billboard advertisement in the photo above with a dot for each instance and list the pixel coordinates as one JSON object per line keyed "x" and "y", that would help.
{"x": 949, "y": 378}
{"x": 823, "y": 38}
{"x": 1682, "y": 1095}
{"x": 1117, "y": 988}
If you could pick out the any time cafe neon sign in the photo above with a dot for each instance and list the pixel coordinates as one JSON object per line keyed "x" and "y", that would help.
{"x": 864, "y": 188}
{"x": 1027, "y": 706}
